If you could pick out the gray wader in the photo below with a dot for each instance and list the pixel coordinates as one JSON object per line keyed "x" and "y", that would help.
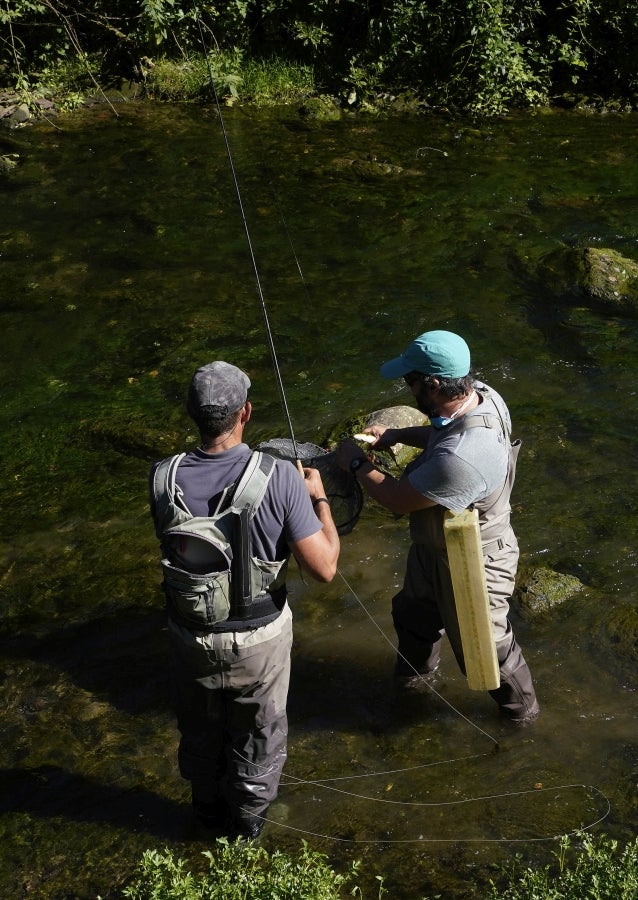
{"x": 424, "y": 610}
{"x": 231, "y": 691}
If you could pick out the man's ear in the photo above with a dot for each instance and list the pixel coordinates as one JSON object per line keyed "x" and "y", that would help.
{"x": 246, "y": 412}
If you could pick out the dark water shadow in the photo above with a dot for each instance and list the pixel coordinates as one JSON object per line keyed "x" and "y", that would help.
{"x": 51, "y": 792}
{"x": 122, "y": 659}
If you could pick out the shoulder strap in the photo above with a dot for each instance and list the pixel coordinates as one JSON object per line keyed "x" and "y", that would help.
{"x": 164, "y": 485}
{"x": 507, "y": 431}
{"x": 252, "y": 485}
{"x": 483, "y": 420}
{"x": 247, "y": 497}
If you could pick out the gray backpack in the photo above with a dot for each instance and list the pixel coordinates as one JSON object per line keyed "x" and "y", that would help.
{"x": 210, "y": 573}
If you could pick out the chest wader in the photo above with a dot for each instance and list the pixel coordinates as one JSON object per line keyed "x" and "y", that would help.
{"x": 428, "y": 590}
{"x": 212, "y": 580}
{"x": 230, "y": 645}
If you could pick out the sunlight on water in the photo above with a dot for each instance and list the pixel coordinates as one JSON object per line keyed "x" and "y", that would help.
{"x": 124, "y": 268}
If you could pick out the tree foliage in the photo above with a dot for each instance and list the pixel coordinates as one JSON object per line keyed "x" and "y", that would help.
{"x": 484, "y": 56}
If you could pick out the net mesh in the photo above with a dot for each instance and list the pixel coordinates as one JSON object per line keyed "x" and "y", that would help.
{"x": 342, "y": 488}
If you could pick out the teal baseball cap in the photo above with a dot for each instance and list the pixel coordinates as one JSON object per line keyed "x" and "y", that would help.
{"x": 432, "y": 353}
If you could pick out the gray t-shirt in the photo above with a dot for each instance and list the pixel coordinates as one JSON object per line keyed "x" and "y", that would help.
{"x": 285, "y": 513}
{"x": 462, "y": 465}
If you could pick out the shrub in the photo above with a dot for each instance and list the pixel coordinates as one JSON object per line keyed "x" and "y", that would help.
{"x": 242, "y": 871}
{"x": 600, "y": 871}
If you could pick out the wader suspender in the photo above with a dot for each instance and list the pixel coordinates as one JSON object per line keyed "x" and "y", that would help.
{"x": 487, "y": 420}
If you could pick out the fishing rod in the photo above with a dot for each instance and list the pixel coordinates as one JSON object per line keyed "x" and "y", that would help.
{"x": 260, "y": 292}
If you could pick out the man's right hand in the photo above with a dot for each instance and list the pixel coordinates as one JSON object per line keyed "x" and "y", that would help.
{"x": 313, "y": 482}
{"x": 384, "y": 436}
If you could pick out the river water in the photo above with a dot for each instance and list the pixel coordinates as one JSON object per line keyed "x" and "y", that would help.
{"x": 124, "y": 267}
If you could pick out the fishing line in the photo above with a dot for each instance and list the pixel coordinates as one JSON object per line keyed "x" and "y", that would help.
{"x": 260, "y": 292}
{"x": 292, "y": 781}
{"x": 324, "y": 783}
{"x": 407, "y": 661}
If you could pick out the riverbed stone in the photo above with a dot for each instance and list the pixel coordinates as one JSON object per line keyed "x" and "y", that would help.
{"x": 540, "y": 591}
{"x": 601, "y": 274}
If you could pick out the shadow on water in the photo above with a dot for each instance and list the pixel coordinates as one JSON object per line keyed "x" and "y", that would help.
{"x": 124, "y": 268}
{"x": 51, "y": 793}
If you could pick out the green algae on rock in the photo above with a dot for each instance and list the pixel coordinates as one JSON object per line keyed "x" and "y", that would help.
{"x": 541, "y": 590}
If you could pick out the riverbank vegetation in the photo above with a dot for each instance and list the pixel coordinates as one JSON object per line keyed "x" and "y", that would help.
{"x": 482, "y": 57}
{"x": 597, "y": 868}
{"x": 243, "y": 872}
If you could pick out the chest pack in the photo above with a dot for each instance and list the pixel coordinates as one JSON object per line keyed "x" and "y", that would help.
{"x": 211, "y": 575}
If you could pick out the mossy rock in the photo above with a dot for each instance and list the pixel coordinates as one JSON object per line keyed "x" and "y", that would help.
{"x": 392, "y": 417}
{"x": 8, "y": 162}
{"x": 603, "y": 275}
{"x": 540, "y": 591}
{"x": 321, "y": 109}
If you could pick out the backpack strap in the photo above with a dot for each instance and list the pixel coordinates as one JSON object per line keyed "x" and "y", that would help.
{"x": 252, "y": 485}
{"x": 163, "y": 489}
{"x": 246, "y": 499}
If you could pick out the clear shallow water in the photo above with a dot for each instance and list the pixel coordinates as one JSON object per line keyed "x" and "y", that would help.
{"x": 124, "y": 266}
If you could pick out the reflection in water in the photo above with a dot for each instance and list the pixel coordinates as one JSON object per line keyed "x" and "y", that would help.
{"x": 124, "y": 268}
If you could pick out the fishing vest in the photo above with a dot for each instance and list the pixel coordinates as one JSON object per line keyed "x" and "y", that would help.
{"x": 212, "y": 580}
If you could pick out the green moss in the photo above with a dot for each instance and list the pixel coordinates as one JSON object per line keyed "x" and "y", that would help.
{"x": 540, "y": 591}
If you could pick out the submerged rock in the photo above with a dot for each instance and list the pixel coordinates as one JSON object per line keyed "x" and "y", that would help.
{"x": 369, "y": 167}
{"x": 539, "y": 591}
{"x": 600, "y": 274}
{"x": 137, "y": 439}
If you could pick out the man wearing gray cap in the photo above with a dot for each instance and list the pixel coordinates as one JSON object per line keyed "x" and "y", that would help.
{"x": 468, "y": 460}
{"x": 228, "y": 520}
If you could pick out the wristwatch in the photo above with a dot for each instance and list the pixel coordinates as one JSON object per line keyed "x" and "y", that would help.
{"x": 357, "y": 462}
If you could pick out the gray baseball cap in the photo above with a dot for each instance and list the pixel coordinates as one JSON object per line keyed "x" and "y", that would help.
{"x": 218, "y": 384}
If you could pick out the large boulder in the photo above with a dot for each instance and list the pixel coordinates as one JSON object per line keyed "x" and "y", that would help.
{"x": 398, "y": 417}
{"x": 603, "y": 275}
{"x": 392, "y": 417}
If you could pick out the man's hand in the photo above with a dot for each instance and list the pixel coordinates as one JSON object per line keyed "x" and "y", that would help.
{"x": 347, "y": 451}
{"x": 385, "y": 437}
{"x": 313, "y": 482}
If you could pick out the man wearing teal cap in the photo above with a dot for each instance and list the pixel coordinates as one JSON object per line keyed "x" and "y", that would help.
{"x": 468, "y": 460}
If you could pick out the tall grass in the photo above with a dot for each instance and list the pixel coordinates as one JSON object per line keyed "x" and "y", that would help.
{"x": 263, "y": 82}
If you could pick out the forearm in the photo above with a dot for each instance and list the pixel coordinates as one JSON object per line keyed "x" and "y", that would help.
{"x": 412, "y": 436}
{"x": 397, "y": 496}
{"x": 328, "y": 532}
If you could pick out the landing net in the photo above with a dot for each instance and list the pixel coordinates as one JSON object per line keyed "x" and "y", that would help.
{"x": 342, "y": 488}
